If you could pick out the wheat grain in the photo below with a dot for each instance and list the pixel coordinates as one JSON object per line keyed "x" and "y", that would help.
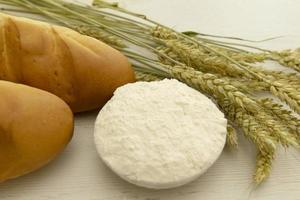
{"x": 286, "y": 116}
{"x": 263, "y": 166}
{"x": 287, "y": 94}
{"x": 277, "y": 129}
{"x": 141, "y": 76}
{"x": 252, "y": 128}
{"x": 214, "y": 86}
{"x": 287, "y": 58}
{"x": 201, "y": 59}
{"x": 247, "y": 86}
{"x": 231, "y": 139}
{"x": 99, "y": 34}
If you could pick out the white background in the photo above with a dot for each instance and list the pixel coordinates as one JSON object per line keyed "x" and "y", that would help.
{"x": 78, "y": 174}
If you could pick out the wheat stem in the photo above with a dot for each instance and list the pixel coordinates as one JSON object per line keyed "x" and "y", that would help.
{"x": 231, "y": 139}
{"x": 263, "y": 166}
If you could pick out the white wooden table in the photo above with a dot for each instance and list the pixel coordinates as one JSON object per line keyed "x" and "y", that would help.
{"x": 78, "y": 174}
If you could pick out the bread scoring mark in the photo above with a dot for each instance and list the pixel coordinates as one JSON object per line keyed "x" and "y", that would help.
{"x": 64, "y": 72}
{"x": 10, "y": 51}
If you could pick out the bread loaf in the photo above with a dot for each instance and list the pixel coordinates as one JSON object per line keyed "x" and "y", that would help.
{"x": 81, "y": 70}
{"x": 34, "y": 127}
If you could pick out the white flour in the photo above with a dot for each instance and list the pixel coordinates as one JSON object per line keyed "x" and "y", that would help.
{"x": 159, "y": 134}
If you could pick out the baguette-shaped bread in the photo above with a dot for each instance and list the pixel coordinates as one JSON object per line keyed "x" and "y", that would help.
{"x": 81, "y": 70}
{"x": 35, "y": 126}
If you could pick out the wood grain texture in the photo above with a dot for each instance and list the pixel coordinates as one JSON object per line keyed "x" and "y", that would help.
{"x": 78, "y": 174}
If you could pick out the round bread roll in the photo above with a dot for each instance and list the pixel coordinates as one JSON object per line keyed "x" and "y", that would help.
{"x": 81, "y": 70}
{"x": 35, "y": 126}
{"x": 160, "y": 134}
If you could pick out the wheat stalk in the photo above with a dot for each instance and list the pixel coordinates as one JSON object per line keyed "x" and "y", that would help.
{"x": 206, "y": 59}
{"x": 287, "y": 94}
{"x": 247, "y": 86}
{"x": 232, "y": 138}
{"x": 287, "y": 58}
{"x": 252, "y": 129}
{"x": 201, "y": 59}
{"x": 277, "y": 129}
{"x": 142, "y": 76}
{"x": 263, "y": 166}
{"x": 99, "y": 34}
{"x": 286, "y": 116}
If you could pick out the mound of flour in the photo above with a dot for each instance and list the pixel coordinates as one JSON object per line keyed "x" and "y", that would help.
{"x": 159, "y": 134}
